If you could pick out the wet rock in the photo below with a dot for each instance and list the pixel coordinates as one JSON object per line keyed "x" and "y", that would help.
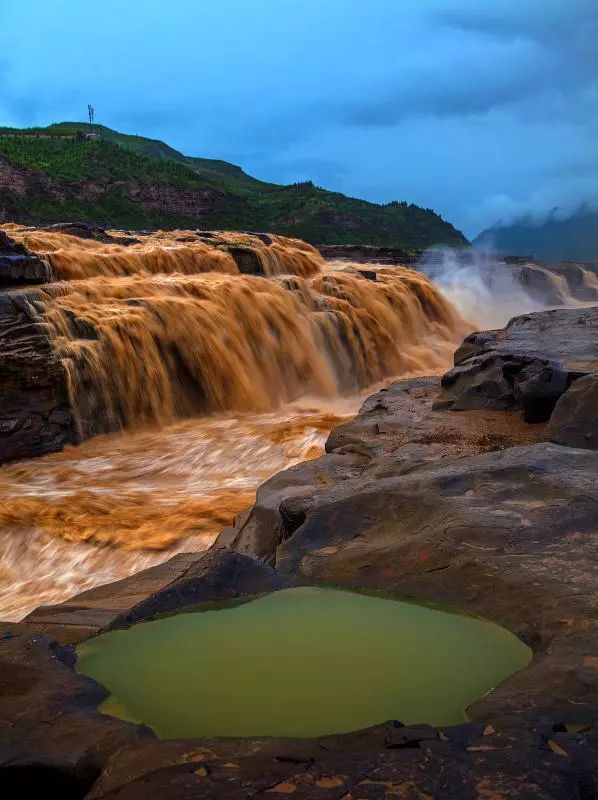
{"x": 266, "y": 238}
{"x": 528, "y": 365}
{"x": 216, "y": 575}
{"x": 474, "y": 344}
{"x": 18, "y": 266}
{"x": 369, "y": 274}
{"x": 85, "y": 230}
{"x": 265, "y": 526}
{"x": 51, "y": 736}
{"x": 542, "y": 285}
{"x": 411, "y": 736}
{"x": 369, "y": 254}
{"x": 35, "y": 416}
{"x": 395, "y": 433}
{"x": 574, "y": 421}
{"x": 246, "y": 259}
{"x": 185, "y": 580}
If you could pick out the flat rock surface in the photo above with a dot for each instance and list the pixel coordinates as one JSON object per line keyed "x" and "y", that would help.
{"x": 566, "y": 335}
{"x": 465, "y": 762}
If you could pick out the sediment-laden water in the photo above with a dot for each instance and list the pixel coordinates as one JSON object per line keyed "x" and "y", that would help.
{"x": 204, "y": 381}
{"x": 314, "y": 661}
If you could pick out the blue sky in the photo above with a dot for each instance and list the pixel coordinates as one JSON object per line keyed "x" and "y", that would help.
{"x": 481, "y": 109}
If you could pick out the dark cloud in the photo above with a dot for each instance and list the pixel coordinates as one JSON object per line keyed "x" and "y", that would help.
{"x": 460, "y": 92}
{"x": 491, "y": 56}
{"x": 565, "y": 21}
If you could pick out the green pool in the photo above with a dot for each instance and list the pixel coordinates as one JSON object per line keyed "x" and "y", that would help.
{"x": 301, "y": 662}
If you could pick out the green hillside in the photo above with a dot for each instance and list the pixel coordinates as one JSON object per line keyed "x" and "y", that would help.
{"x": 129, "y": 181}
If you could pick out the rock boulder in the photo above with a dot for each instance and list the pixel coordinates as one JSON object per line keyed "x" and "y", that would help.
{"x": 528, "y": 365}
{"x": 574, "y": 421}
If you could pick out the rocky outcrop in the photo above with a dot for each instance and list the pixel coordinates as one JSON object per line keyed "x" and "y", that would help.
{"x": 369, "y": 254}
{"x": 52, "y": 739}
{"x": 528, "y": 365}
{"x": 574, "y": 421}
{"x": 35, "y": 416}
{"x": 389, "y": 761}
{"x": 18, "y": 266}
{"x": 84, "y": 230}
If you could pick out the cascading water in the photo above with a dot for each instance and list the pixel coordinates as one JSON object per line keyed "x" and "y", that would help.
{"x": 168, "y": 329}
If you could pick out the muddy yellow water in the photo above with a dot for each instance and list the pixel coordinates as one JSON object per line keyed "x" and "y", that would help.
{"x": 199, "y": 375}
{"x": 302, "y": 662}
{"x": 123, "y": 502}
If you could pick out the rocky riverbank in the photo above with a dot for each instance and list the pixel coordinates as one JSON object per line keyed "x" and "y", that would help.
{"x": 477, "y": 490}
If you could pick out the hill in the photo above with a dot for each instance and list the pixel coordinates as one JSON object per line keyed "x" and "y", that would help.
{"x": 573, "y": 238}
{"x": 55, "y": 174}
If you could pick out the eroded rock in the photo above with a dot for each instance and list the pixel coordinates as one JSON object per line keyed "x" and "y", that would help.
{"x": 35, "y": 416}
{"x": 574, "y": 421}
{"x": 19, "y": 267}
{"x": 528, "y": 365}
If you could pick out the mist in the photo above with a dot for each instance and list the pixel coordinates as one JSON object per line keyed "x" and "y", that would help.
{"x": 484, "y": 290}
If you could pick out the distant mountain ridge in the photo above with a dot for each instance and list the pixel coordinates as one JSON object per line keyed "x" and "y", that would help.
{"x": 573, "y": 238}
{"x": 58, "y": 173}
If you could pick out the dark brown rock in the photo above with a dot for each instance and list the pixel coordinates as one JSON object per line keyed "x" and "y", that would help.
{"x": 19, "y": 267}
{"x": 246, "y": 259}
{"x": 574, "y": 421}
{"x": 368, "y": 254}
{"x": 185, "y": 580}
{"x": 362, "y": 765}
{"x": 51, "y": 736}
{"x": 35, "y": 416}
{"x": 83, "y": 230}
{"x": 528, "y": 365}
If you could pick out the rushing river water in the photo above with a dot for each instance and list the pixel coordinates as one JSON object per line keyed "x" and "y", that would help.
{"x": 122, "y": 502}
{"x": 195, "y": 375}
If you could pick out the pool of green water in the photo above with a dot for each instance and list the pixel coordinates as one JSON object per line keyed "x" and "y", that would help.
{"x": 301, "y": 662}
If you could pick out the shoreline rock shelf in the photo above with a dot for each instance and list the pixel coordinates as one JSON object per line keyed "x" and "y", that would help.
{"x": 475, "y": 508}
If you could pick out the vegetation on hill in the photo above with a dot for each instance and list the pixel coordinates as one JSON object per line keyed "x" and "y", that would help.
{"x": 59, "y": 163}
{"x": 573, "y": 238}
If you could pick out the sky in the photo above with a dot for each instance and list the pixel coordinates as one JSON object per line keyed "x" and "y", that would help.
{"x": 481, "y": 110}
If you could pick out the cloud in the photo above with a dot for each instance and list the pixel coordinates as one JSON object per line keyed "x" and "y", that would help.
{"x": 476, "y": 109}
{"x": 475, "y": 59}
{"x": 473, "y": 82}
